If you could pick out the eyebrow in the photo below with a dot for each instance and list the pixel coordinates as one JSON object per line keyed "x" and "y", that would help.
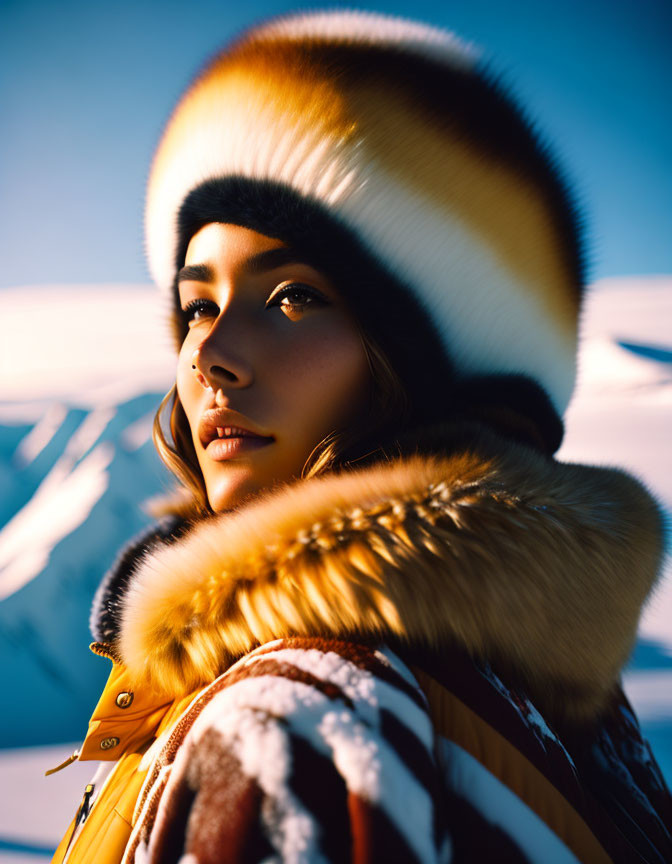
{"x": 259, "y": 263}
{"x": 196, "y": 273}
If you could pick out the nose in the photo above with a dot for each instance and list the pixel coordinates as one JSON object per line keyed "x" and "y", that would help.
{"x": 218, "y": 369}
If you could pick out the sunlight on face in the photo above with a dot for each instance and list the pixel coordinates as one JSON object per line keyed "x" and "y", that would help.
{"x": 272, "y": 363}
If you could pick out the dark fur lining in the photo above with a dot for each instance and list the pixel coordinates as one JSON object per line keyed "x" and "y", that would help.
{"x": 106, "y": 610}
{"x": 514, "y": 406}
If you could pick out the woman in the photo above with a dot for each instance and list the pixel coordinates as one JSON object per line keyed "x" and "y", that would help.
{"x": 381, "y": 623}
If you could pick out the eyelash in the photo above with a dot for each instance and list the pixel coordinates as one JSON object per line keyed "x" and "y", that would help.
{"x": 206, "y": 307}
{"x": 312, "y": 295}
{"x": 194, "y": 306}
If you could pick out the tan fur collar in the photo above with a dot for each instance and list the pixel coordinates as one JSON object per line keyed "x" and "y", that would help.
{"x": 540, "y": 566}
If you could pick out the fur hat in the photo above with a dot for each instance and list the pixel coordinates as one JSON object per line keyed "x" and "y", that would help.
{"x": 383, "y": 147}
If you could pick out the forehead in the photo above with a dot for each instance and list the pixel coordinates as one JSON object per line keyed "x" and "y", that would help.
{"x": 219, "y": 241}
{"x": 219, "y": 248}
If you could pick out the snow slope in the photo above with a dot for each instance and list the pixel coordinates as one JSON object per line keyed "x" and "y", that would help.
{"x": 76, "y": 460}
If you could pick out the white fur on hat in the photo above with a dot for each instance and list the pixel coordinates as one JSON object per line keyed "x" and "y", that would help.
{"x": 347, "y": 110}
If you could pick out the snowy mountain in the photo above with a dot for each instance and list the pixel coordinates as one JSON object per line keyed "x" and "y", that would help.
{"x": 82, "y": 370}
{"x": 76, "y": 463}
{"x": 79, "y": 497}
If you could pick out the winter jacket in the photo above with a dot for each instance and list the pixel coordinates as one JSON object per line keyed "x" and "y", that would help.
{"x": 413, "y": 661}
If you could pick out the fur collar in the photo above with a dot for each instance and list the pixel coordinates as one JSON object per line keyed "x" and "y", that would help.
{"x": 538, "y": 566}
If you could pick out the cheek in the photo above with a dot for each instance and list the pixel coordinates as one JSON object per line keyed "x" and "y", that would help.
{"x": 322, "y": 381}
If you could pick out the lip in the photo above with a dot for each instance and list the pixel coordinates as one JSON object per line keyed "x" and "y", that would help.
{"x": 245, "y": 436}
{"x": 222, "y": 449}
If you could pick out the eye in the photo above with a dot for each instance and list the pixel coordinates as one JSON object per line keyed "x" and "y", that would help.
{"x": 295, "y": 298}
{"x": 198, "y": 309}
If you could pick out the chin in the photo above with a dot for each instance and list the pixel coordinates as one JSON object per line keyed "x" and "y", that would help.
{"x": 234, "y": 488}
{"x": 232, "y": 484}
{"x": 229, "y": 496}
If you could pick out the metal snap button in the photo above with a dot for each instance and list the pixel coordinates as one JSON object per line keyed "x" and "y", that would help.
{"x": 124, "y": 699}
{"x": 108, "y": 743}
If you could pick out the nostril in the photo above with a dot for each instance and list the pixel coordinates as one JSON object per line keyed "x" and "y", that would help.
{"x": 221, "y": 372}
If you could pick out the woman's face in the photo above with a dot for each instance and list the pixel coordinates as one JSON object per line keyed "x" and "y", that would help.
{"x": 272, "y": 362}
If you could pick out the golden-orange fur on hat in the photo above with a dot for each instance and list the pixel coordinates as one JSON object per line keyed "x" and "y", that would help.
{"x": 393, "y": 129}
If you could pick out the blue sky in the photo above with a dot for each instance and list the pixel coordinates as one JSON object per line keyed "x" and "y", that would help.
{"x": 86, "y": 87}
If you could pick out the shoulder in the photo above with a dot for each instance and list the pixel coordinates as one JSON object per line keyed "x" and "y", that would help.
{"x": 355, "y": 705}
{"x": 306, "y": 743}
{"x": 362, "y": 677}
